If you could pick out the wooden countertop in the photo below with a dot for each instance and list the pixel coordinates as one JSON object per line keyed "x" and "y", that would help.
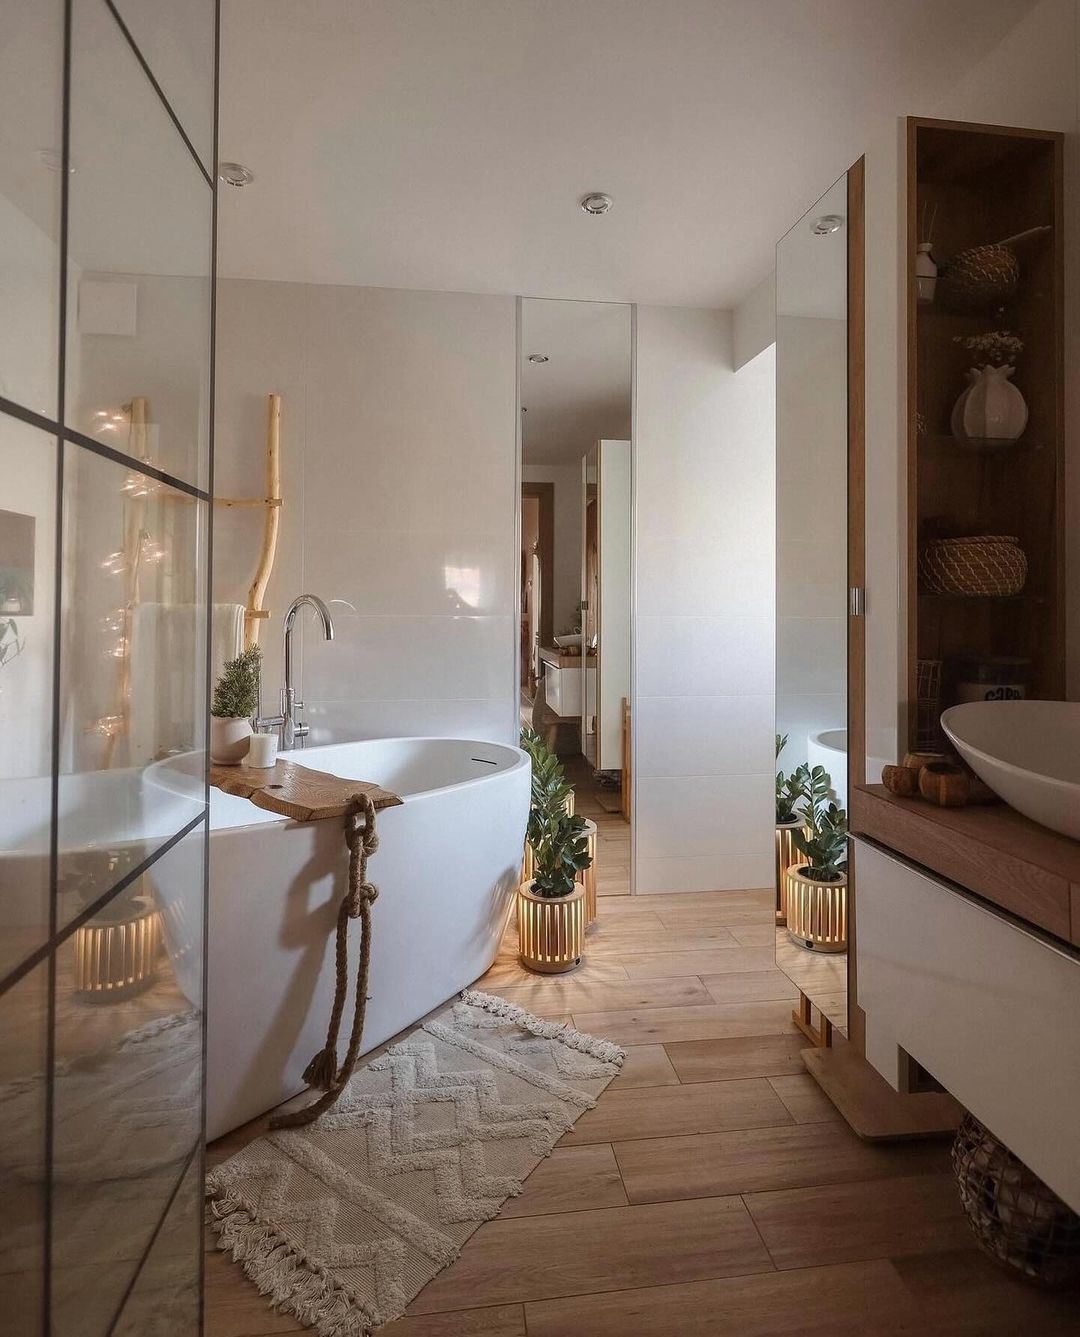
{"x": 992, "y": 851}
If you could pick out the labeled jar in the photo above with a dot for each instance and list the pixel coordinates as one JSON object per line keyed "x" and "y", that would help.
{"x": 993, "y": 678}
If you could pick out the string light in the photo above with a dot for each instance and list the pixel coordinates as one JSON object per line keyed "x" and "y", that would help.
{"x": 108, "y": 726}
{"x": 115, "y": 564}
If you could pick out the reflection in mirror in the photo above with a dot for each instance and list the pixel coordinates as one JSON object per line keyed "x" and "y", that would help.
{"x": 812, "y": 584}
{"x": 31, "y": 172}
{"x": 139, "y": 262}
{"x": 575, "y": 558}
{"x": 133, "y": 680}
{"x": 127, "y": 1096}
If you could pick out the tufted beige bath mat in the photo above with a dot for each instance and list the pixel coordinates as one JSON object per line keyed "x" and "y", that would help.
{"x": 341, "y": 1223}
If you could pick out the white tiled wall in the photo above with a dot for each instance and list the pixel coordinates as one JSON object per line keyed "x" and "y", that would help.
{"x": 398, "y": 442}
{"x": 703, "y": 721}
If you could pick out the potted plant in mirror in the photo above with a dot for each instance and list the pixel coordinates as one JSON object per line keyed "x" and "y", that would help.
{"x": 817, "y": 885}
{"x": 236, "y": 701}
{"x": 551, "y": 901}
{"x": 789, "y": 795}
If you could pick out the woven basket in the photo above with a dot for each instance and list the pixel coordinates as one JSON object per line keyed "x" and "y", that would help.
{"x": 928, "y": 737}
{"x": 1017, "y": 1220}
{"x": 991, "y": 564}
{"x": 978, "y": 278}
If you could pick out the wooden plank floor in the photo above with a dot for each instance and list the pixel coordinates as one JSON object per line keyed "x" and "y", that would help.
{"x": 713, "y": 1192}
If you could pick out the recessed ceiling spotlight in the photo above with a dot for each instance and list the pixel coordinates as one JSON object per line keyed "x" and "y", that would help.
{"x": 235, "y": 174}
{"x": 597, "y": 203}
{"x": 827, "y": 224}
{"x": 539, "y": 358}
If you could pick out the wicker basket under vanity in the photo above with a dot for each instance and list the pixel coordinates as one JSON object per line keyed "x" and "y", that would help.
{"x": 1017, "y": 1220}
{"x": 816, "y": 912}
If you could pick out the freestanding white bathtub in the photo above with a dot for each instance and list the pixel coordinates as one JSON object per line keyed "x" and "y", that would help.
{"x": 448, "y": 862}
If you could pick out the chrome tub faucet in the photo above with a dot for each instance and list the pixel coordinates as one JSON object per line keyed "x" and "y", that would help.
{"x": 291, "y": 731}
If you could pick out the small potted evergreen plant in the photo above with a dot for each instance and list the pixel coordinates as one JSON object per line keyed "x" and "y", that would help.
{"x": 551, "y": 901}
{"x": 236, "y": 701}
{"x": 817, "y": 885}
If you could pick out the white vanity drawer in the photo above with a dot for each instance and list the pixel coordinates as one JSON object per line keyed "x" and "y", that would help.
{"x": 562, "y": 689}
{"x": 990, "y": 1008}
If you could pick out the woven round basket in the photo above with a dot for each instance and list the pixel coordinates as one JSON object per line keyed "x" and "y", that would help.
{"x": 991, "y": 564}
{"x": 980, "y": 277}
{"x": 1017, "y": 1220}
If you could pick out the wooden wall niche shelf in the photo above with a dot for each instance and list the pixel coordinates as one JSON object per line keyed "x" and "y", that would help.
{"x": 982, "y": 184}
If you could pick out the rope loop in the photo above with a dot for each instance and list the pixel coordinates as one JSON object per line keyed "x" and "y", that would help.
{"x": 323, "y": 1072}
{"x": 360, "y": 826}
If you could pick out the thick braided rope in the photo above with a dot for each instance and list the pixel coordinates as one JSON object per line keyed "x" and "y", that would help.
{"x": 362, "y": 839}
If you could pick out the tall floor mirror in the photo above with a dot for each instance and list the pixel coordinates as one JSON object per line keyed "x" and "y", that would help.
{"x": 818, "y": 723}
{"x": 575, "y": 557}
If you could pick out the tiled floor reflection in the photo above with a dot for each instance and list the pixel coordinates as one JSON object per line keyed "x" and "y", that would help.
{"x": 23, "y": 1017}
{"x": 127, "y": 1103}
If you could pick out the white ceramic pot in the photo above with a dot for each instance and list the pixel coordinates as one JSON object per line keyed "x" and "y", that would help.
{"x": 992, "y": 408}
{"x": 230, "y": 738}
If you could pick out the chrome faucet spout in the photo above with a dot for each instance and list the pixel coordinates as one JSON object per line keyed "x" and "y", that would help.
{"x": 292, "y": 731}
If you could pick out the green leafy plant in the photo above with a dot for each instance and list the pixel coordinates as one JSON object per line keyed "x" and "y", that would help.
{"x": 236, "y": 694}
{"x": 817, "y": 789}
{"x": 788, "y": 788}
{"x": 825, "y": 843}
{"x": 559, "y": 844}
{"x": 560, "y": 853}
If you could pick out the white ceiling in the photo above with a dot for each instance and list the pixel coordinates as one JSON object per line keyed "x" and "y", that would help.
{"x": 582, "y": 394}
{"x": 445, "y": 144}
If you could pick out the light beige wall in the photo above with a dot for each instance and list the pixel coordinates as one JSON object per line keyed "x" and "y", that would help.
{"x": 398, "y": 440}
{"x": 704, "y": 444}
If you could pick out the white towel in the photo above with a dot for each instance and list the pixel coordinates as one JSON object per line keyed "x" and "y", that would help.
{"x": 167, "y": 649}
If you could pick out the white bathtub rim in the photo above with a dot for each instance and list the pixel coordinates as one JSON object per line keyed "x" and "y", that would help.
{"x": 153, "y": 774}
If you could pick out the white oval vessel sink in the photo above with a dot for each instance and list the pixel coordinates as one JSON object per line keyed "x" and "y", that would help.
{"x": 1028, "y": 752}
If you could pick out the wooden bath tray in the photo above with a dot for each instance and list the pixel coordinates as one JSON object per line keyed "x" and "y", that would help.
{"x": 297, "y": 791}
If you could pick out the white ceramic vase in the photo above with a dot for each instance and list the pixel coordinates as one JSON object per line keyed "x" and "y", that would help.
{"x": 230, "y": 738}
{"x": 991, "y": 408}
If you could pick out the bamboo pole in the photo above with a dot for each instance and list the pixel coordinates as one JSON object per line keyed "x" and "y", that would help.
{"x": 254, "y": 612}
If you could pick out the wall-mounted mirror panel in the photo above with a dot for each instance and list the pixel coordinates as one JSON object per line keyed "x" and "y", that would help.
{"x": 812, "y": 609}
{"x": 575, "y": 556}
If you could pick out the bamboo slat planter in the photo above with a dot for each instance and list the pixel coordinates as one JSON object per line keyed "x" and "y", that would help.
{"x": 117, "y": 958}
{"x": 816, "y": 912}
{"x": 787, "y": 853}
{"x": 588, "y": 877}
{"x": 551, "y": 930}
